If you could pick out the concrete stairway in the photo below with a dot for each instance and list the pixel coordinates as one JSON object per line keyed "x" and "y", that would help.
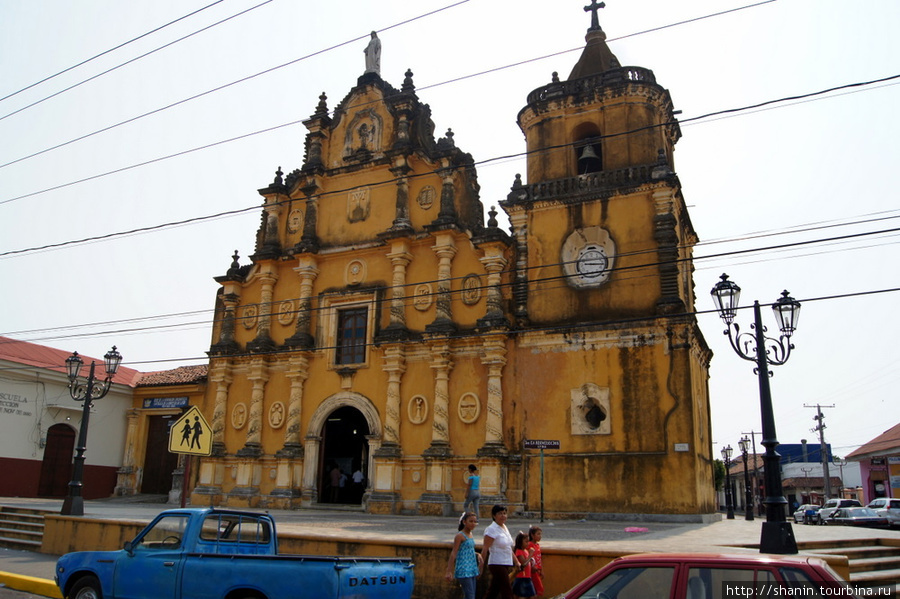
{"x": 21, "y": 528}
{"x": 873, "y": 562}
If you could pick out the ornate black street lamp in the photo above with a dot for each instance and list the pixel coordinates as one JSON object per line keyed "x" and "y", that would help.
{"x": 777, "y": 534}
{"x": 729, "y": 491}
{"x": 85, "y": 391}
{"x": 744, "y": 444}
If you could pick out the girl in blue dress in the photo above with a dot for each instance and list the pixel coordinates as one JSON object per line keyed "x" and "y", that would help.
{"x": 465, "y": 564}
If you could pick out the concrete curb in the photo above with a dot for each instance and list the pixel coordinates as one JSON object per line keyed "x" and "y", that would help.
{"x": 30, "y": 584}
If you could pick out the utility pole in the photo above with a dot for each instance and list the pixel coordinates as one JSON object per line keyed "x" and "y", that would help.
{"x": 823, "y": 450}
{"x": 755, "y": 469}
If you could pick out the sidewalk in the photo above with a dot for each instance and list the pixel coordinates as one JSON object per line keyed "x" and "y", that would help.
{"x": 731, "y": 536}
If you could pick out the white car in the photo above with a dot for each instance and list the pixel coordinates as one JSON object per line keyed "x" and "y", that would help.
{"x": 888, "y": 507}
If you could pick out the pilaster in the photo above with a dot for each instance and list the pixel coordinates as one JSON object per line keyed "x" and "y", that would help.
{"x": 445, "y": 249}
{"x": 307, "y": 271}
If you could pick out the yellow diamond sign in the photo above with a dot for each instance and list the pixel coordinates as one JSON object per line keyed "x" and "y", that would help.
{"x": 191, "y": 434}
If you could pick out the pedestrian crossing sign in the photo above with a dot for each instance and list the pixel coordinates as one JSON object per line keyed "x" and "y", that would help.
{"x": 191, "y": 434}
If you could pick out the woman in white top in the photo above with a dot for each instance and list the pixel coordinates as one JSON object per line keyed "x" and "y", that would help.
{"x": 498, "y": 545}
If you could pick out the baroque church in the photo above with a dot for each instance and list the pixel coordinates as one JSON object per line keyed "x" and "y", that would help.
{"x": 386, "y": 327}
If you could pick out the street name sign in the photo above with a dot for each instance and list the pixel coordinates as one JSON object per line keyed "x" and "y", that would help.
{"x": 541, "y": 444}
{"x": 191, "y": 434}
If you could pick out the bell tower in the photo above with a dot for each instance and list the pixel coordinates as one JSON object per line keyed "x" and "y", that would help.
{"x": 601, "y": 227}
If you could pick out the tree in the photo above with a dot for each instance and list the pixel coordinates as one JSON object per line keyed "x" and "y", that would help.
{"x": 718, "y": 474}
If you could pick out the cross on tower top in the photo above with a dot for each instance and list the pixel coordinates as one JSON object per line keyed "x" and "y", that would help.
{"x": 593, "y": 8}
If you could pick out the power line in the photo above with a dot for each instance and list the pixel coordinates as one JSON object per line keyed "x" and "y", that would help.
{"x": 110, "y": 70}
{"x": 389, "y": 181}
{"x": 122, "y": 45}
{"x": 210, "y": 91}
{"x": 478, "y": 74}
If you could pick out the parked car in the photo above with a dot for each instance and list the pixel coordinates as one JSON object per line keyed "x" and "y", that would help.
{"x": 708, "y": 576}
{"x": 833, "y": 504}
{"x": 857, "y": 516}
{"x": 889, "y": 507}
{"x": 806, "y": 513}
{"x": 216, "y": 554}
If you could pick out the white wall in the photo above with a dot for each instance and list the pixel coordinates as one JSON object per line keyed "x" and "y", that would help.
{"x": 33, "y": 399}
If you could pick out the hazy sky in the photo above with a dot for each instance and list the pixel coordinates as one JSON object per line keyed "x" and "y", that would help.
{"x": 786, "y": 179}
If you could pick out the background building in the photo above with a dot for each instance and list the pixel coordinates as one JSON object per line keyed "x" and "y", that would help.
{"x": 879, "y": 462}
{"x": 39, "y": 423}
{"x": 382, "y": 324}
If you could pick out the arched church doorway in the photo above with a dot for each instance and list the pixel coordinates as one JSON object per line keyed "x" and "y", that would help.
{"x": 56, "y": 466}
{"x": 345, "y": 451}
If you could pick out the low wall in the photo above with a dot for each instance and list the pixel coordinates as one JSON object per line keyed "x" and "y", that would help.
{"x": 563, "y": 568}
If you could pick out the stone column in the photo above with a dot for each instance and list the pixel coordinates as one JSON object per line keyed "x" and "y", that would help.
{"x": 401, "y": 210}
{"x": 258, "y": 377}
{"x": 494, "y": 262}
{"x": 445, "y": 249}
{"x": 212, "y": 468}
{"x": 289, "y": 459}
{"x": 309, "y": 493}
{"x": 436, "y": 499}
{"x": 125, "y": 476}
{"x": 518, "y": 220}
{"x": 307, "y": 272}
{"x": 263, "y": 341}
{"x": 395, "y": 366}
{"x": 400, "y": 258}
{"x": 226, "y": 343}
{"x": 385, "y": 474}
{"x": 246, "y": 490}
{"x": 492, "y": 455}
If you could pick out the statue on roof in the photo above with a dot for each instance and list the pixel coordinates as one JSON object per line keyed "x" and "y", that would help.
{"x": 373, "y": 55}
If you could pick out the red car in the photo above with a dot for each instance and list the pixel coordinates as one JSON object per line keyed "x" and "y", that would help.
{"x": 710, "y": 576}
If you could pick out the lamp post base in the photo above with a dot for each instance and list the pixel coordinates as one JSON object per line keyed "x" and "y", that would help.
{"x": 73, "y": 506}
{"x": 777, "y": 537}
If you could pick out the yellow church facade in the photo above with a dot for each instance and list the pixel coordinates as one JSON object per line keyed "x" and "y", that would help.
{"x": 386, "y": 332}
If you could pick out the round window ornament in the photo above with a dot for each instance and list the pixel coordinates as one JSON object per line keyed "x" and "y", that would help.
{"x": 587, "y": 257}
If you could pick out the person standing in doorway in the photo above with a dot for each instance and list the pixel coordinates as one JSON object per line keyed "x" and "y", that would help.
{"x": 473, "y": 489}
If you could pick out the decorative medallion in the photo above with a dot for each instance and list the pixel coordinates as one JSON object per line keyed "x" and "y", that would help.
{"x": 358, "y": 204}
{"x": 424, "y": 297}
{"x": 417, "y": 409}
{"x": 286, "y": 312}
{"x": 276, "y": 415}
{"x": 356, "y": 272}
{"x": 587, "y": 257}
{"x": 469, "y": 408}
{"x": 426, "y": 197}
{"x": 295, "y": 221}
{"x": 471, "y": 289}
{"x": 249, "y": 316}
{"x": 589, "y": 410}
{"x": 416, "y": 476}
{"x": 239, "y": 416}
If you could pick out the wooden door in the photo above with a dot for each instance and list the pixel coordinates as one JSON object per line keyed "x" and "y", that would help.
{"x": 158, "y": 461}
{"x": 56, "y": 466}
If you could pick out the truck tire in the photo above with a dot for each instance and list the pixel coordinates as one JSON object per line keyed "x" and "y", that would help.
{"x": 86, "y": 587}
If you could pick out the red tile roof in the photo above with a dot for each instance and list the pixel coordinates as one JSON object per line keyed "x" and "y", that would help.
{"x": 887, "y": 443}
{"x": 41, "y": 356}
{"x": 177, "y": 376}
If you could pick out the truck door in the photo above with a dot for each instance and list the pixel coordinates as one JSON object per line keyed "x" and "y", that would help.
{"x": 150, "y": 570}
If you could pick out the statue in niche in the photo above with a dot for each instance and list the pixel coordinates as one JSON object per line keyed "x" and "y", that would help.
{"x": 365, "y": 134}
{"x": 373, "y": 55}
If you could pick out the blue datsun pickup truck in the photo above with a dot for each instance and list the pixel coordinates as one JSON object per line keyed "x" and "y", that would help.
{"x": 224, "y": 554}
